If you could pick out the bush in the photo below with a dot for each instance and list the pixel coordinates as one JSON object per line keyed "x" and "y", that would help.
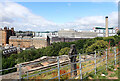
{"x": 99, "y": 45}
{"x": 64, "y": 51}
{"x": 118, "y": 33}
{"x": 117, "y": 39}
{"x": 88, "y": 43}
{"x": 111, "y": 40}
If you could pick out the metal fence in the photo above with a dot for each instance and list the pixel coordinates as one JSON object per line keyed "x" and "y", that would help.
{"x": 110, "y": 57}
{"x": 85, "y": 67}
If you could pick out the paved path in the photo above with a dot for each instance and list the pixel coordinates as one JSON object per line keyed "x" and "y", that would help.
{"x": 14, "y": 76}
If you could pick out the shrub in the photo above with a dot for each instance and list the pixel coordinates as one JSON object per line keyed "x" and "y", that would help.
{"x": 99, "y": 45}
{"x": 111, "y": 40}
{"x": 110, "y": 69}
{"x": 104, "y": 72}
{"x": 64, "y": 51}
{"x": 118, "y": 33}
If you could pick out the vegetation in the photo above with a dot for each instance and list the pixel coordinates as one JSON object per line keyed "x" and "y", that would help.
{"x": 101, "y": 69}
{"x": 110, "y": 40}
{"x": 59, "y": 48}
{"x": 64, "y": 51}
{"x": 118, "y": 33}
{"x": 98, "y": 45}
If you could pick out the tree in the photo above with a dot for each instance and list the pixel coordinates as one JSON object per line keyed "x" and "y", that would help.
{"x": 88, "y": 43}
{"x": 64, "y": 51}
{"x": 118, "y": 33}
{"x": 117, "y": 39}
{"x": 79, "y": 45}
{"x": 99, "y": 45}
{"x": 110, "y": 39}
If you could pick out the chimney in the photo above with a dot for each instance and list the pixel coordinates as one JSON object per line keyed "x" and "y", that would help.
{"x": 5, "y": 28}
{"x": 106, "y": 26}
{"x": 12, "y": 29}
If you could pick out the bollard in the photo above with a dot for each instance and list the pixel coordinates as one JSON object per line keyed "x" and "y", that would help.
{"x": 80, "y": 66}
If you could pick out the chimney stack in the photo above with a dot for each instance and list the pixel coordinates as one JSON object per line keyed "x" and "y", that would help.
{"x": 5, "y": 28}
{"x": 106, "y": 26}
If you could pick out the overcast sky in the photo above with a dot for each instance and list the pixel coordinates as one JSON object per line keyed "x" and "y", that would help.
{"x": 45, "y": 16}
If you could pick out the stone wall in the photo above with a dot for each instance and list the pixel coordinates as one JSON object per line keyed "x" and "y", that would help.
{"x": 23, "y": 42}
{"x": 40, "y": 42}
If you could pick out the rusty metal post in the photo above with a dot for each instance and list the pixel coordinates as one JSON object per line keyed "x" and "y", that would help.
{"x": 72, "y": 55}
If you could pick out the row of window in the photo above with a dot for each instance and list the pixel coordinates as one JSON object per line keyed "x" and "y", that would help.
{"x": 9, "y": 51}
{"x": 103, "y": 31}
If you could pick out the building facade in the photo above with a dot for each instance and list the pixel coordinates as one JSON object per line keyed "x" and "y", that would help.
{"x": 21, "y": 41}
{"x": 69, "y": 33}
{"x": 5, "y": 34}
{"x": 62, "y": 39}
{"x": 102, "y": 31}
{"x": 45, "y": 34}
{"x": 39, "y": 42}
{"x": 28, "y": 41}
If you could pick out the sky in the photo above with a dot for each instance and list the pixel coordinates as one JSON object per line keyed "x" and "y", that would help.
{"x": 52, "y": 16}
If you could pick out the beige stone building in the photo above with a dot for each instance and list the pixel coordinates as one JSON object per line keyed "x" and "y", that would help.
{"x": 40, "y": 42}
{"x": 20, "y": 41}
{"x": 28, "y": 41}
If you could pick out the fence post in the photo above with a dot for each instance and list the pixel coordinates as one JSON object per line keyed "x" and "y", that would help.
{"x": 106, "y": 59}
{"x": 95, "y": 61}
{"x": 98, "y": 53}
{"x": 20, "y": 72}
{"x": 58, "y": 68}
{"x": 80, "y": 66}
{"x": 115, "y": 55}
{"x": 27, "y": 74}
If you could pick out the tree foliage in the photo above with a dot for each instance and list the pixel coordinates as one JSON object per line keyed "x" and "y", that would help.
{"x": 60, "y": 48}
{"x": 64, "y": 51}
{"x": 99, "y": 45}
{"x": 110, "y": 39}
{"x": 118, "y": 33}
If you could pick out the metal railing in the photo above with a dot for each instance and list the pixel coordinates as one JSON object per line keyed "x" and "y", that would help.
{"x": 98, "y": 61}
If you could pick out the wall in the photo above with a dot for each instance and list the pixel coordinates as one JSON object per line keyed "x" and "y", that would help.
{"x": 23, "y": 42}
{"x": 40, "y": 42}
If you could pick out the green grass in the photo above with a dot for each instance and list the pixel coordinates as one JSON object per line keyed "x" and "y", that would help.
{"x": 112, "y": 75}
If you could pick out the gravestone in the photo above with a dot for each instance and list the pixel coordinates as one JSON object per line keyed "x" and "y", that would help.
{"x": 72, "y": 55}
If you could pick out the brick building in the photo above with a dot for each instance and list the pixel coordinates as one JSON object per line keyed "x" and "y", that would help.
{"x": 5, "y": 34}
{"x": 28, "y": 41}
{"x": 21, "y": 41}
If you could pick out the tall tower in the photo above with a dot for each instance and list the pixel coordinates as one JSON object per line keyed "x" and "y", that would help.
{"x": 106, "y": 26}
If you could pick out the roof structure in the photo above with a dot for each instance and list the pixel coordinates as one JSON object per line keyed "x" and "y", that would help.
{"x": 103, "y": 28}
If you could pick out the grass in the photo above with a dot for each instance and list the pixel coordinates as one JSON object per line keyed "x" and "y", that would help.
{"x": 112, "y": 75}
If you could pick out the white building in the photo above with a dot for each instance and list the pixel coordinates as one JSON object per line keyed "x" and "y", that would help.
{"x": 70, "y": 33}
{"x": 101, "y": 31}
{"x": 45, "y": 34}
